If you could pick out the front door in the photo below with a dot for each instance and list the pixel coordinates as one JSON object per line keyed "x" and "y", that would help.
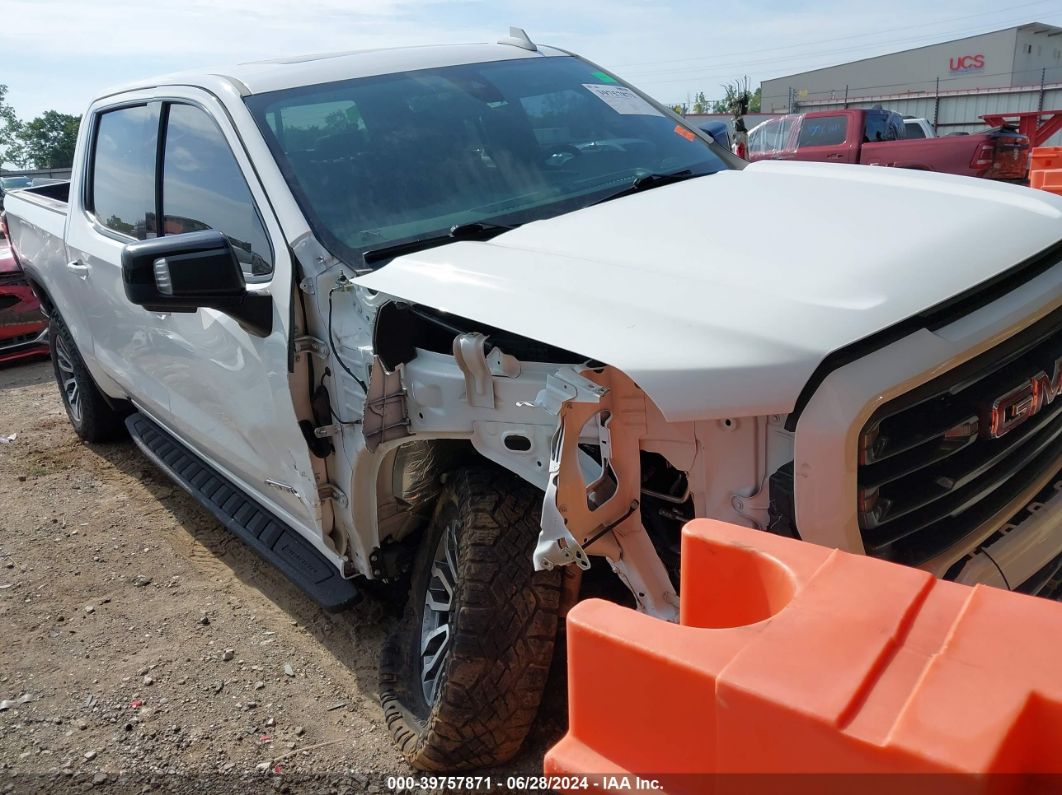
{"x": 226, "y": 391}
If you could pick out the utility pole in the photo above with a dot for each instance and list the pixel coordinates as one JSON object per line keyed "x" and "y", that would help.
{"x": 846, "y": 96}
{"x": 1043, "y": 83}
{"x": 936, "y": 105}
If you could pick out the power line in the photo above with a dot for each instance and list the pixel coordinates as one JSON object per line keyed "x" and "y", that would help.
{"x": 742, "y": 65}
{"x": 932, "y": 82}
{"x": 838, "y": 38}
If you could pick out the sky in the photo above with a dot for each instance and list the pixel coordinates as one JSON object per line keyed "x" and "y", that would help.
{"x": 59, "y": 54}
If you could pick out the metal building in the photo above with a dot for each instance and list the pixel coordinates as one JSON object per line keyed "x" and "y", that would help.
{"x": 951, "y": 84}
{"x": 1023, "y": 56}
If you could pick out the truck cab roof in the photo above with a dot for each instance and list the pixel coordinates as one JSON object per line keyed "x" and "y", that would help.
{"x": 259, "y": 77}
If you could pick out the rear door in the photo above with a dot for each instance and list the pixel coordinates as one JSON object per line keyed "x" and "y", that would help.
{"x": 112, "y": 203}
{"x": 224, "y": 391}
{"x": 826, "y": 137}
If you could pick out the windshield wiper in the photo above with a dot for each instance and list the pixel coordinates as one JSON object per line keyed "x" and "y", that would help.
{"x": 648, "y": 181}
{"x": 477, "y": 230}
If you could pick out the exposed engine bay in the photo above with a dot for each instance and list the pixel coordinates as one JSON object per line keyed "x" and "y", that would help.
{"x": 618, "y": 480}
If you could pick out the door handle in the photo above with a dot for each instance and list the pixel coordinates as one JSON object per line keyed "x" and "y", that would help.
{"x": 835, "y": 156}
{"x": 78, "y": 267}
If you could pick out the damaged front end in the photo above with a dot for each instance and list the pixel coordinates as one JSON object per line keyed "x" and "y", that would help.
{"x": 572, "y": 428}
{"x": 599, "y": 512}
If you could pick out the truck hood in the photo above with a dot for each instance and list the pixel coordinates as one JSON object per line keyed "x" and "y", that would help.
{"x": 721, "y": 295}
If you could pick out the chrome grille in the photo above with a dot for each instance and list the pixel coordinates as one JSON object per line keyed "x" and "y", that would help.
{"x": 931, "y": 471}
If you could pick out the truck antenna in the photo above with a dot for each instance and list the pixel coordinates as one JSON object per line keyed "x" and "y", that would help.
{"x": 518, "y": 38}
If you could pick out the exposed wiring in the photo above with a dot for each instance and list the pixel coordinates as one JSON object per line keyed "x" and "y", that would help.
{"x": 1001, "y": 574}
{"x": 342, "y": 422}
{"x": 332, "y": 343}
{"x": 328, "y": 373}
{"x": 612, "y": 526}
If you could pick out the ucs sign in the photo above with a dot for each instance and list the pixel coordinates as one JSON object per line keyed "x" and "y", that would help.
{"x": 967, "y": 63}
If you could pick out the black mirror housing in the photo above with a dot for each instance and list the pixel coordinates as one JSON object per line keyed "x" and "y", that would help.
{"x": 187, "y": 272}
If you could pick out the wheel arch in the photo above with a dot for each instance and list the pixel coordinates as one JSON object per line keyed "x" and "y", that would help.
{"x": 45, "y": 298}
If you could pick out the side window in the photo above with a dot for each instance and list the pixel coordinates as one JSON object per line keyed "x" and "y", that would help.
{"x": 203, "y": 188}
{"x": 913, "y": 130}
{"x": 822, "y": 131}
{"x": 882, "y": 126}
{"x": 123, "y": 171}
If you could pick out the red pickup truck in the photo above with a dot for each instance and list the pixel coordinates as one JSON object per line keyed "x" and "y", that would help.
{"x": 875, "y": 137}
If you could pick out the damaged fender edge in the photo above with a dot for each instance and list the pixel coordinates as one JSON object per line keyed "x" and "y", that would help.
{"x": 479, "y": 395}
{"x": 604, "y": 513}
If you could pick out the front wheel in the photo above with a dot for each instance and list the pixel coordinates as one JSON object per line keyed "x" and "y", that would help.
{"x": 94, "y": 420}
{"x": 462, "y": 676}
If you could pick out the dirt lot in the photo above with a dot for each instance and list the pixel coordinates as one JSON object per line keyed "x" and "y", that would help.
{"x": 153, "y": 649}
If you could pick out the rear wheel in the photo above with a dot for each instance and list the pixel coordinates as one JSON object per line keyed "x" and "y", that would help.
{"x": 94, "y": 420}
{"x": 463, "y": 675}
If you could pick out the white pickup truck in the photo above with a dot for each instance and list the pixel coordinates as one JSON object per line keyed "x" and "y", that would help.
{"x": 457, "y": 323}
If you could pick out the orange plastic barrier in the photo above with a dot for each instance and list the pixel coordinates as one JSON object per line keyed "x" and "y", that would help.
{"x": 1045, "y": 169}
{"x": 793, "y": 658}
{"x": 1044, "y": 157}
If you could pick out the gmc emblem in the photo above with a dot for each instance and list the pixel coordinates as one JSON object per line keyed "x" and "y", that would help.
{"x": 1019, "y": 404}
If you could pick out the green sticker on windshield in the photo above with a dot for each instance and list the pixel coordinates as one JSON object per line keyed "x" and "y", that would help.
{"x": 604, "y": 78}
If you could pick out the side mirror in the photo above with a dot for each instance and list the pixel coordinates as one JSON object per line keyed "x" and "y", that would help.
{"x": 184, "y": 273}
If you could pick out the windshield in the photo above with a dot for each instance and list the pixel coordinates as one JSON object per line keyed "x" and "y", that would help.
{"x": 382, "y": 160}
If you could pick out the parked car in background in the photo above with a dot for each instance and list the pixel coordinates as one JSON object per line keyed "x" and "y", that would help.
{"x": 914, "y": 127}
{"x": 23, "y": 327}
{"x": 12, "y": 183}
{"x": 720, "y": 132}
{"x": 876, "y": 137}
{"x": 19, "y": 181}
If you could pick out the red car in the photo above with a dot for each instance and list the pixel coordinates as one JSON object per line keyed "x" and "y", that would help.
{"x": 876, "y": 137}
{"x": 23, "y": 327}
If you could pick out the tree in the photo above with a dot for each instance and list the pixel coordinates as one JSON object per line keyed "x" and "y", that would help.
{"x": 10, "y": 145}
{"x": 737, "y": 99}
{"x": 48, "y": 141}
{"x": 720, "y": 106}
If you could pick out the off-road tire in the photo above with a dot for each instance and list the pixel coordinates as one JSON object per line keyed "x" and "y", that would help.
{"x": 93, "y": 419}
{"x": 503, "y": 624}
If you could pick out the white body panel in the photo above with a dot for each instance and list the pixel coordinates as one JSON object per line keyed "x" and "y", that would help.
{"x": 707, "y": 319}
{"x": 257, "y": 77}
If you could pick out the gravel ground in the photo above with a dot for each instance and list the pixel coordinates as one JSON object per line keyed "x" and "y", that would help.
{"x": 146, "y": 648}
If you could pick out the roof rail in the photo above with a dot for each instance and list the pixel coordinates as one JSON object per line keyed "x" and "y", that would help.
{"x": 518, "y": 38}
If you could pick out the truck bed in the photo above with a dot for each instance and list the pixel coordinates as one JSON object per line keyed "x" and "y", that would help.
{"x": 36, "y": 219}
{"x": 949, "y": 155}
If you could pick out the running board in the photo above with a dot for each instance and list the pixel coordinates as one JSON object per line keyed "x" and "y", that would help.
{"x": 267, "y": 535}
